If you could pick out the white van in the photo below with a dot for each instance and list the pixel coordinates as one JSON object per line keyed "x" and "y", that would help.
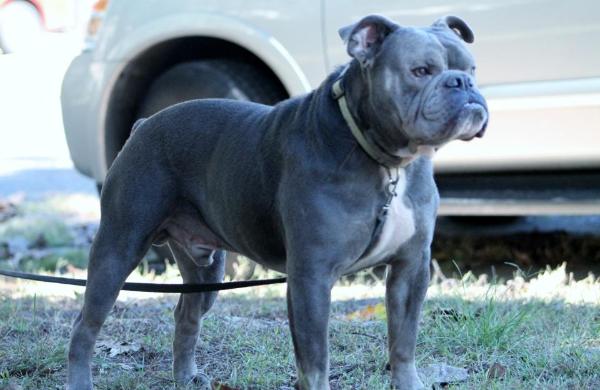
{"x": 538, "y": 66}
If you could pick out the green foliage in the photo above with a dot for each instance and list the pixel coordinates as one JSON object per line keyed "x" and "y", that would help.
{"x": 53, "y": 230}
{"x": 56, "y": 261}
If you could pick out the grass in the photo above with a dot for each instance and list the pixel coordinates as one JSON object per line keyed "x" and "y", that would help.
{"x": 541, "y": 333}
{"x": 538, "y": 331}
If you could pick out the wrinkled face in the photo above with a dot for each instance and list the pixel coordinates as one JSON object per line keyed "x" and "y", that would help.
{"x": 428, "y": 86}
{"x": 421, "y": 82}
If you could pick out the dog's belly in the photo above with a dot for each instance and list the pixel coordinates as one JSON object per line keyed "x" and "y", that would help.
{"x": 186, "y": 229}
{"x": 398, "y": 228}
{"x": 187, "y": 234}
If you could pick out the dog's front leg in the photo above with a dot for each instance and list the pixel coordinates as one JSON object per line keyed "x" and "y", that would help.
{"x": 309, "y": 298}
{"x": 406, "y": 286}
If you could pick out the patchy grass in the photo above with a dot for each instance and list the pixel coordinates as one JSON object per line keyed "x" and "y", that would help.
{"x": 538, "y": 332}
{"x": 54, "y": 231}
{"x": 53, "y": 235}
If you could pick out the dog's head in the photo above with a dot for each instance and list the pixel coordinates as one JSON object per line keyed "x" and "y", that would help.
{"x": 417, "y": 84}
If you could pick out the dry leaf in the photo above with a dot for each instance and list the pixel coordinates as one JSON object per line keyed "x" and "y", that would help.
{"x": 496, "y": 371}
{"x": 443, "y": 374}
{"x": 371, "y": 312}
{"x": 118, "y": 348}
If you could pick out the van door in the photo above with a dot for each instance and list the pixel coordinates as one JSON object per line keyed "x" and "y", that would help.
{"x": 538, "y": 64}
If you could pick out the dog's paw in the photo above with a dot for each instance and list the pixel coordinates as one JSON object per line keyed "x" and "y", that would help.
{"x": 408, "y": 385}
{"x": 191, "y": 375}
{"x": 201, "y": 382}
{"x": 198, "y": 379}
{"x": 79, "y": 379}
{"x": 405, "y": 377}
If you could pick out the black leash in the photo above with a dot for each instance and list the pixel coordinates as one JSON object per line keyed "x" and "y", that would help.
{"x": 184, "y": 288}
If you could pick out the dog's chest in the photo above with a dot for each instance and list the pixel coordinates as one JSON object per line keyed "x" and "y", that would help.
{"x": 398, "y": 228}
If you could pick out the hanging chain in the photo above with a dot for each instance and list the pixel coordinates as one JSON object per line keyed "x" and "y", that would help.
{"x": 390, "y": 190}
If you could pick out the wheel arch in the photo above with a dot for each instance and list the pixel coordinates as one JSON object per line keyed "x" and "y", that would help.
{"x": 162, "y": 51}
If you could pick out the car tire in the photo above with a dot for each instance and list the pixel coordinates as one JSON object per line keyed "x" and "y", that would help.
{"x": 211, "y": 78}
{"x": 21, "y": 26}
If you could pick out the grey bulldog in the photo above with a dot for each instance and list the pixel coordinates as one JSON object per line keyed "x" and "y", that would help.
{"x": 318, "y": 186}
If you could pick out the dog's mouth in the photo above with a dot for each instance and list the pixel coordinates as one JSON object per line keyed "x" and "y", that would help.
{"x": 465, "y": 119}
{"x": 472, "y": 120}
{"x": 481, "y": 132}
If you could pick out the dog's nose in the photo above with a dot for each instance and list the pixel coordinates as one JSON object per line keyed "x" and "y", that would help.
{"x": 461, "y": 81}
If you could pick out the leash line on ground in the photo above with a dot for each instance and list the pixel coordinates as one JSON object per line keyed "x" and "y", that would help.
{"x": 185, "y": 288}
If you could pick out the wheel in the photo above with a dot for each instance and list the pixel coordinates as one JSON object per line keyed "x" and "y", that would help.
{"x": 212, "y": 78}
{"x": 20, "y": 27}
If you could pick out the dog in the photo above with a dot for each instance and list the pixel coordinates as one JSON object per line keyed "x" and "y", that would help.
{"x": 317, "y": 186}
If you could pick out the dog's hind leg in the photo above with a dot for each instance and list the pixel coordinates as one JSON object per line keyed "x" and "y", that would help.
{"x": 189, "y": 312}
{"x": 110, "y": 264}
{"x": 131, "y": 215}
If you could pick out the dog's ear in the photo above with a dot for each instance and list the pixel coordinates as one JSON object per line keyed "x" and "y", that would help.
{"x": 363, "y": 39}
{"x": 458, "y": 26}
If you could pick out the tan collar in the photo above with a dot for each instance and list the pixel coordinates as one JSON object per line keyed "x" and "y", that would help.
{"x": 372, "y": 149}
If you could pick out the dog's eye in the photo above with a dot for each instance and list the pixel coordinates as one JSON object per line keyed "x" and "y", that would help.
{"x": 421, "y": 71}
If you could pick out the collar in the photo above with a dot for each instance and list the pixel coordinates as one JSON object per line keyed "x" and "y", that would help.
{"x": 372, "y": 149}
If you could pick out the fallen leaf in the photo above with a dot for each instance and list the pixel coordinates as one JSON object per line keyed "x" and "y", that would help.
{"x": 118, "y": 348}
{"x": 496, "y": 371}
{"x": 442, "y": 374}
{"x": 371, "y": 312}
